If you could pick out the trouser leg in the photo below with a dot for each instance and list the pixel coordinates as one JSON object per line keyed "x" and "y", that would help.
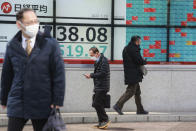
{"x": 130, "y": 91}
{"x": 16, "y": 124}
{"x": 98, "y": 104}
{"x": 102, "y": 116}
{"x": 38, "y": 124}
{"x": 138, "y": 100}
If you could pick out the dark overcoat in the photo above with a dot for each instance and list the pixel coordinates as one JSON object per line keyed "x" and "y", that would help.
{"x": 132, "y": 60}
{"x": 30, "y": 84}
{"x": 101, "y": 75}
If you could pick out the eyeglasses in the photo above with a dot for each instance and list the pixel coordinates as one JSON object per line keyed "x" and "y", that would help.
{"x": 36, "y": 21}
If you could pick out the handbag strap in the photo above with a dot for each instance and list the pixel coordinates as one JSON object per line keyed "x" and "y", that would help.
{"x": 53, "y": 111}
{"x": 58, "y": 112}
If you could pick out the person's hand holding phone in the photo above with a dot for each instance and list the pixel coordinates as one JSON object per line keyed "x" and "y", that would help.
{"x": 87, "y": 76}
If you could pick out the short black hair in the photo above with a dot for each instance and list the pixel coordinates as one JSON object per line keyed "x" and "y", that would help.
{"x": 94, "y": 49}
{"x": 19, "y": 15}
{"x": 135, "y": 38}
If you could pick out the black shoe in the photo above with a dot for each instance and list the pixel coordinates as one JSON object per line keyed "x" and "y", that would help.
{"x": 97, "y": 126}
{"x": 104, "y": 125}
{"x": 116, "y": 108}
{"x": 142, "y": 112}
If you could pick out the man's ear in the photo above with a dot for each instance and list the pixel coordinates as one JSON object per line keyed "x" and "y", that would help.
{"x": 18, "y": 23}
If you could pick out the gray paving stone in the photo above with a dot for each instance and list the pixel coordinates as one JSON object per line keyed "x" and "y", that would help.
{"x": 163, "y": 118}
{"x": 188, "y": 118}
{"x": 91, "y": 117}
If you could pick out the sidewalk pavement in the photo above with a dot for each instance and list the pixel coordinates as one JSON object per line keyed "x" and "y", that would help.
{"x": 91, "y": 117}
{"x": 138, "y": 126}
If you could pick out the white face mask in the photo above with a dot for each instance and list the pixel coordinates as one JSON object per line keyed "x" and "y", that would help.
{"x": 31, "y": 30}
{"x": 94, "y": 58}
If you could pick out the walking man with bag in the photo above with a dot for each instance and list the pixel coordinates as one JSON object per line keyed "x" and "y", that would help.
{"x": 33, "y": 77}
{"x": 132, "y": 62}
{"x": 101, "y": 78}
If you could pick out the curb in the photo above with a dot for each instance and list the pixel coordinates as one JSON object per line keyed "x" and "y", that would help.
{"x": 91, "y": 117}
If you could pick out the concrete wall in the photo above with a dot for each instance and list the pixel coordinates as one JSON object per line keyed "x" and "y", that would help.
{"x": 166, "y": 88}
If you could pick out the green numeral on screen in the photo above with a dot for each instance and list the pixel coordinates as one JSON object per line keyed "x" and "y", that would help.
{"x": 79, "y": 49}
{"x": 104, "y": 48}
{"x": 61, "y": 48}
{"x": 70, "y": 50}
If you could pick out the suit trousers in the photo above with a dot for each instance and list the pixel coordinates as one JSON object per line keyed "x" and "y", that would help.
{"x": 132, "y": 90}
{"x": 17, "y": 124}
{"x": 98, "y": 104}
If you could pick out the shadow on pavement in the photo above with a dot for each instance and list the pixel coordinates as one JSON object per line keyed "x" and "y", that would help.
{"x": 120, "y": 129}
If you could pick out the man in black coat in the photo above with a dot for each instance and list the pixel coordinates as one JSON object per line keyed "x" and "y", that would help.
{"x": 33, "y": 77}
{"x": 101, "y": 78}
{"x": 132, "y": 61}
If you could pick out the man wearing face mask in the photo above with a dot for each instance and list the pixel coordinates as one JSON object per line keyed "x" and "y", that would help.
{"x": 33, "y": 77}
{"x": 101, "y": 78}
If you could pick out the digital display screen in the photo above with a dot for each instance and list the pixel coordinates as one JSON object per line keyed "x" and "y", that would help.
{"x": 155, "y": 13}
{"x": 160, "y": 25}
